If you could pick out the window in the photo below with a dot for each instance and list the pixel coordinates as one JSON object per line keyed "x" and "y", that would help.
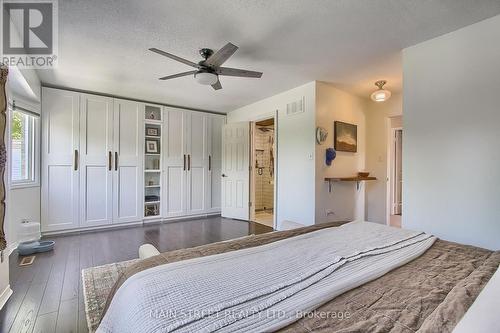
{"x": 22, "y": 148}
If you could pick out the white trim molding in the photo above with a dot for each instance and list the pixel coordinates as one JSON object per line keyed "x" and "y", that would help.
{"x": 143, "y": 222}
{"x": 11, "y": 247}
{"x": 34, "y": 109}
{"x": 5, "y": 295}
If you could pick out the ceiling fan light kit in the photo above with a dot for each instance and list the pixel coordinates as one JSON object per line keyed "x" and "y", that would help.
{"x": 380, "y": 95}
{"x": 206, "y": 78}
{"x": 208, "y": 70}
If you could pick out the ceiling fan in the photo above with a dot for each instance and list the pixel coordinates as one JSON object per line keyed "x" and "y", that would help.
{"x": 208, "y": 70}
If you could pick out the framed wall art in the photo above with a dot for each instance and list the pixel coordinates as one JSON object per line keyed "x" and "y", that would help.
{"x": 346, "y": 137}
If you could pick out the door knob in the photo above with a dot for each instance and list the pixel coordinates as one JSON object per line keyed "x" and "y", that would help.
{"x": 223, "y": 175}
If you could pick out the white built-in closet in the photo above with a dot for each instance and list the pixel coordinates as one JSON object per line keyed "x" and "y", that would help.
{"x": 96, "y": 170}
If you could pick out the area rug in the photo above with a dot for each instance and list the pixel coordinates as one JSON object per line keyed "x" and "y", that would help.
{"x": 97, "y": 283}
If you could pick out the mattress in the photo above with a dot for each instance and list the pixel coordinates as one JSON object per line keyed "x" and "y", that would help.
{"x": 429, "y": 294}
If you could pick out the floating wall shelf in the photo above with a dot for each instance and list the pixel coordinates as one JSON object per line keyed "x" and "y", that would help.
{"x": 356, "y": 179}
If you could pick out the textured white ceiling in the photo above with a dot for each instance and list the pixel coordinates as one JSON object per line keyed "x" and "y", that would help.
{"x": 351, "y": 43}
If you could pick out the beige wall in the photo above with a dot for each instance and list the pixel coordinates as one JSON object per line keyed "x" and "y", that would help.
{"x": 377, "y": 129}
{"x": 300, "y": 202}
{"x": 345, "y": 202}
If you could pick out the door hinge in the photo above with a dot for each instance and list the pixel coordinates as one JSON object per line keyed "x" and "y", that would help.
{"x": 249, "y": 204}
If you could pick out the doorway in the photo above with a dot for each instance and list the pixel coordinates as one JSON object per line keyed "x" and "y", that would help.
{"x": 395, "y": 172}
{"x": 263, "y": 157}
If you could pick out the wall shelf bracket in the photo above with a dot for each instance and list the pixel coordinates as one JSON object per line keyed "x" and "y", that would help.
{"x": 356, "y": 179}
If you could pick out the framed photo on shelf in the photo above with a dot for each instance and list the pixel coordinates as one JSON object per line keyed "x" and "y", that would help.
{"x": 152, "y": 131}
{"x": 152, "y": 147}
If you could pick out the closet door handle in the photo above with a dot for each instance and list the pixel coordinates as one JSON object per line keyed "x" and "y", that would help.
{"x": 76, "y": 158}
{"x": 189, "y": 162}
{"x": 209, "y": 162}
{"x": 109, "y": 161}
{"x": 116, "y": 161}
{"x": 184, "y": 167}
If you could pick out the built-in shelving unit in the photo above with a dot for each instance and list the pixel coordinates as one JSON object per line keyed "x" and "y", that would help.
{"x": 153, "y": 128}
{"x": 356, "y": 179}
{"x": 179, "y": 176}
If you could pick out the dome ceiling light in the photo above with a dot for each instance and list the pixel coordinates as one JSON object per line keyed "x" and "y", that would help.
{"x": 380, "y": 95}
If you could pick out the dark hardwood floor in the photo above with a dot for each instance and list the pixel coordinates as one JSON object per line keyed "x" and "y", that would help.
{"x": 48, "y": 294}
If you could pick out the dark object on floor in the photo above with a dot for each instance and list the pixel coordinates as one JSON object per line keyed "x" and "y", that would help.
{"x": 27, "y": 248}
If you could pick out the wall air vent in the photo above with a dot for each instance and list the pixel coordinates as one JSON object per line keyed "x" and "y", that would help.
{"x": 295, "y": 107}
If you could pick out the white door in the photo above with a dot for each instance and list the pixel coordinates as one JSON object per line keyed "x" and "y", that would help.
{"x": 60, "y": 167}
{"x": 197, "y": 162}
{"x": 96, "y": 159}
{"x": 174, "y": 162}
{"x": 214, "y": 194}
{"x": 235, "y": 170}
{"x": 127, "y": 161}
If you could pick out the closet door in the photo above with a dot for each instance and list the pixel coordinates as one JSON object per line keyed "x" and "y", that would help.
{"x": 175, "y": 162}
{"x": 213, "y": 192}
{"x": 197, "y": 164}
{"x": 96, "y": 156}
{"x": 127, "y": 161}
{"x": 60, "y": 168}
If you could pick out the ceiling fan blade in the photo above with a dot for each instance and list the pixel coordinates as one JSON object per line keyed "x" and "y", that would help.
{"x": 220, "y": 57}
{"x": 168, "y": 77}
{"x": 174, "y": 57}
{"x": 217, "y": 85}
{"x": 226, "y": 71}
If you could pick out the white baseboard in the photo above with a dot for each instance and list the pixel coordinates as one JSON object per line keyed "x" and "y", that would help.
{"x": 189, "y": 217}
{"x": 89, "y": 229}
{"x": 4, "y": 296}
{"x": 145, "y": 221}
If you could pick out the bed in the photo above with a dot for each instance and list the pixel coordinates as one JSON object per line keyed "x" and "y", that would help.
{"x": 430, "y": 293}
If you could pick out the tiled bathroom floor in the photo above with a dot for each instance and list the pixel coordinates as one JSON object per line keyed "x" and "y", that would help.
{"x": 264, "y": 217}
